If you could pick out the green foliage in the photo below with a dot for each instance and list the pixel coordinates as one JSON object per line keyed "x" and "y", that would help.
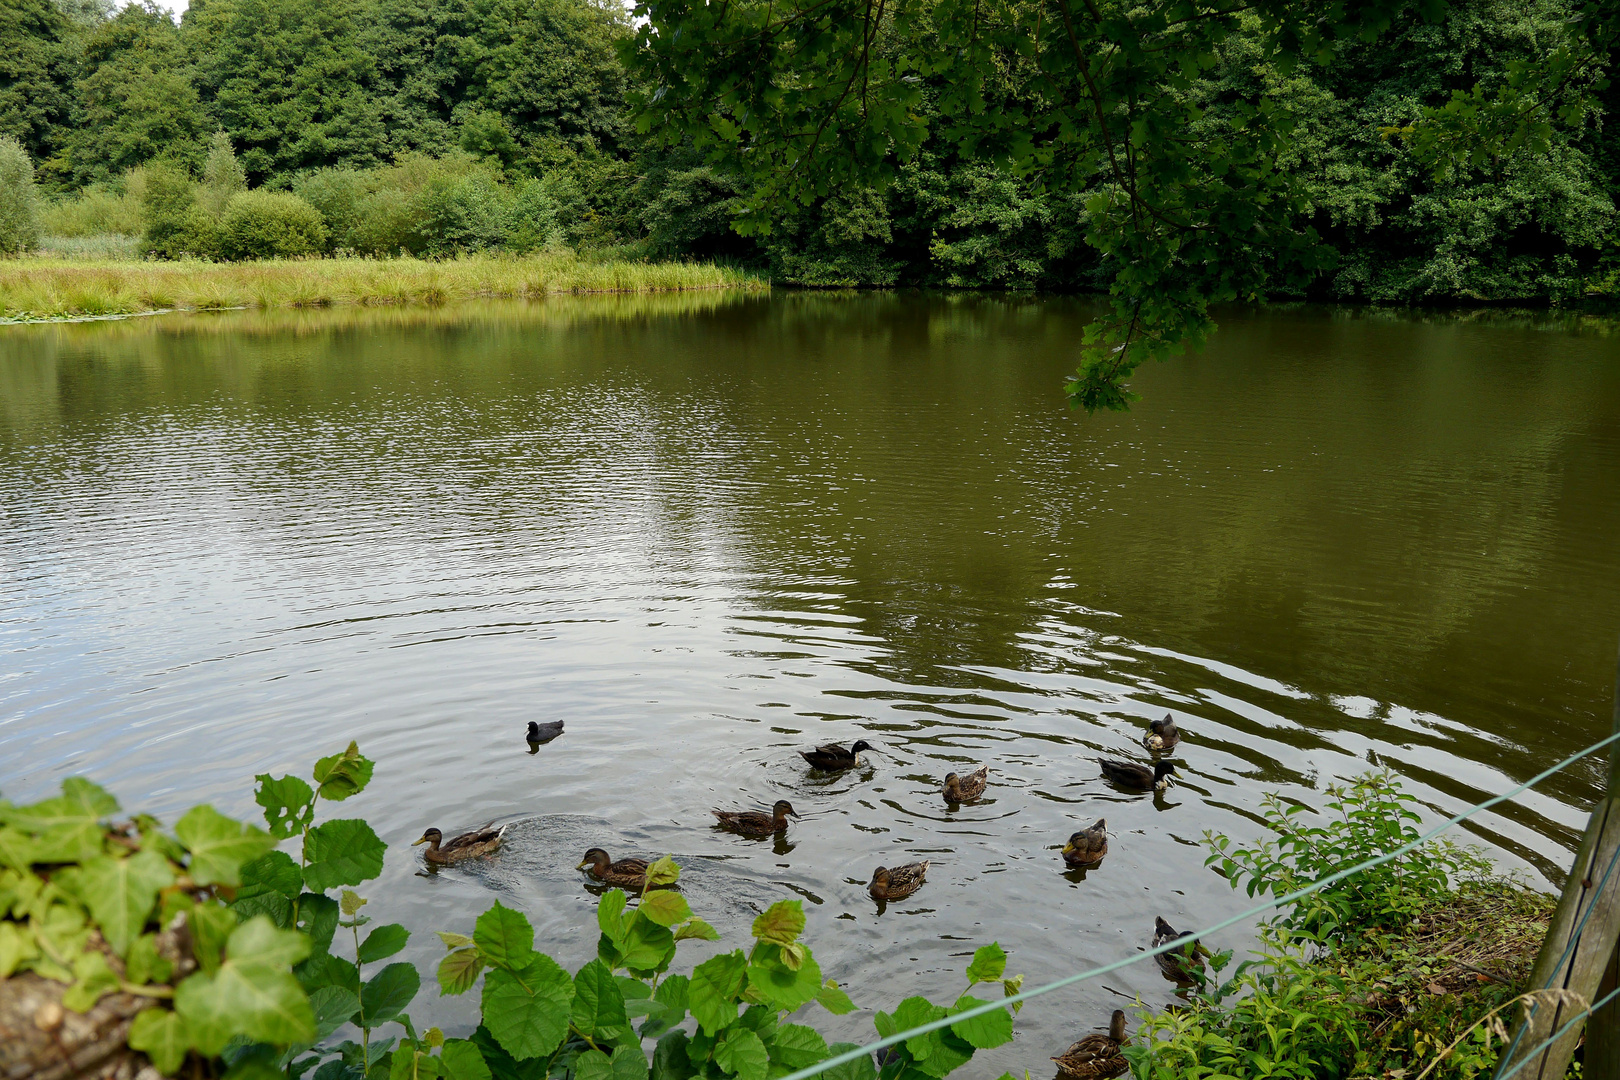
{"x": 176, "y": 226}
{"x": 38, "y": 51}
{"x": 223, "y": 177}
{"x": 272, "y": 225}
{"x": 19, "y": 199}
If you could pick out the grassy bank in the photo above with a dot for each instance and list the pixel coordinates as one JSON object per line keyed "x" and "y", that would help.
{"x": 45, "y": 288}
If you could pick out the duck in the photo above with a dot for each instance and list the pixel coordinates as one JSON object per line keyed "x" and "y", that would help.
{"x": 1164, "y": 734}
{"x": 626, "y": 873}
{"x": 833, "y": 757}
{"x": 960, "y": 789}
{"x": 1179, "y": 964}
{"x": 757, "y": 822}
{"x": 1097, "y": 1057}
{"x": 1087, "y": 846}
{"x": 897, "y": 883}
{"x": 1134, "y": 777}
{"x": 469, "y": 845}
{"x": 543, "y": 733}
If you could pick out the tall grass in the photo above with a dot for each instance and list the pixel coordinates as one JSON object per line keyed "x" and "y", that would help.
{"x": 59, "y": 288}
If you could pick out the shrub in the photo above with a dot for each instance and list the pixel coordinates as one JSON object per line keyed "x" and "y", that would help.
{"x": 532, "y": 223}
{"x": 175, "y": 225}
{"x": 456, "y": 215}
{"x": 270, "y": 225}
{"x": 98, "y": 210}
{"x": 19, "y": 199}
{"x": 223, "y": 177}
{"x": 337, "y": 193}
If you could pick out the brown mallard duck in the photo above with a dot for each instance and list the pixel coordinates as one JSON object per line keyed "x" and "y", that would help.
{"x": 1134, "y": 777}
{"x": 960, "y": 789}
{"x": 626, "y": 873}
{"x": 469, "y": 845}
{"x": 1097, "y": 1057}
{"x": 1088, "y": 846}
{"x": 1181, "y": 964}
{"x": 897, "y": 883}
{"x": 757, "y": 822}
{"x": 1164, "y": 734}
{"x": 833, "y": 757}
{"x": 543, "y": 733}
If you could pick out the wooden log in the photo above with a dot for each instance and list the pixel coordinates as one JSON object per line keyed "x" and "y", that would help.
{"x": 1603, "y": 1030}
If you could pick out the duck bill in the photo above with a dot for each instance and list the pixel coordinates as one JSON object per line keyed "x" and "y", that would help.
{"x": 418, "y": 843}
{"x": 1068, "y": 849}
{"x": 582, "y": 865}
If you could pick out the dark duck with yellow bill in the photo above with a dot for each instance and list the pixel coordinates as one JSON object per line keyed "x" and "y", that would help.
{"x": 1088, "y": 846}
{"x": 897, "y": 883}
{"x": 757, "y": 822}
{"x": 1133, "y": 777}
{"x": 833, "y": 757}
{"x": 469, "y": 845}
{"x": 1097, "y": 1057}
{"x": 626, "y": 873}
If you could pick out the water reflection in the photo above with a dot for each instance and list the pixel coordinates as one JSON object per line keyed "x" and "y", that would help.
{"x": 710, "y": 532}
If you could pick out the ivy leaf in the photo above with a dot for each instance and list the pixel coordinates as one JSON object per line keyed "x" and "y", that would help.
{"x": 697, "y": 928}
{"x": 16, "y": 945}
{"x": 834, "y": 1000}
{"x": 663, "y": 872}
{"x": 122, "y": 892}
{"x": 341, "y": 852}
{"x": 252, "y": 994}
{"x": 211, "y": 926}
{"x": 742, "y": 1054}
{"x": 504, "y": 937}
{"x": 860, "y": 1068}
{"x": 66, "y": 828}
{"x": 388, "y": 993}
{"x": 784, "y": 986}
{"x": 781, "y": 924}
{"x": 716, "y": 984}
{"x": 989, "y": 964}
{"x": 797, "y": 1046}
{"x": 459, "y": 970}
{"x": 342, "y": 775}
{"x": 665, "y": 908}
{"x": 219, "y": 846}
{"x": 982, "y": 1032}
{"x": 598, "y": 1002}
{"x": 162, "y": 1036}
{"x": 93, "y": 977}
{"x": 527, "y": 1010}
{"x": 382, "y": 943}
{"x": 462, "y": 1061}
{"x": 143, "y": 965}
{"x": 289, "y": 804}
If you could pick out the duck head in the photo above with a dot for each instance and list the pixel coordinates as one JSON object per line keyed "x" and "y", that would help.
{"x": 433, "y": 837}
{"x": 783, "y": 809}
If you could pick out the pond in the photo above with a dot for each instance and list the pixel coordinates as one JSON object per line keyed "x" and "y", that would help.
{"x": 706, "y": 531}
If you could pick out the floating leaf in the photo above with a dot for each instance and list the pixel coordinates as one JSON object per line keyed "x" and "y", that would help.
{"x": 741, "y": 1052}
{"x": 253, "y": 993}
{"x": 388, "y": 993}
{"x": 665, "y": 908}
{"x": 342, "y": 775}
{"x": 716, "y": 984}
{"x": 696, "y": 928}
{"x": 459, "y": 970}
{"x": 989, "y": 964}
{"x": 162, "y": 1036}
{"x": 527, "y": 1011}
{"x": 122, "y": 892}
{"x": 341, "y": 852}
{"x": 663, "y": 872}
{"x": 834, "y": 1000}
{"x": 781, "y": 924}
{"x": 986, "y": 1031}
{"x": 504, "y": 937}
{"x": 382, "y": 943}
{"x": 219, "y": 846}
{"x": 289, "y": 804}
{"x": 598, "y": 1002}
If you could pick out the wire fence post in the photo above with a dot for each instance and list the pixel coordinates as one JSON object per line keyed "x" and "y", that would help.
{"x": 1579, "y": 954}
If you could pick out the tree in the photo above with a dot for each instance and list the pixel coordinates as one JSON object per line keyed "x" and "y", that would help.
{"x": 37, "y": 61}
{"x": 223, "y": 177}
{"x": 19, "y": 199}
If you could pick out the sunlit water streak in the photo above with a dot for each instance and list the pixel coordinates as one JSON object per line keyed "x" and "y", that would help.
{"x": 708, "y": 534}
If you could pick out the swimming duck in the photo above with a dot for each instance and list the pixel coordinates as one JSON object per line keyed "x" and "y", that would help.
{"x": 897, "y": 883}
{"x": 1134, "y": 777}
{"x": 543, "y": 733}
{"x": 1178, "y": 964}
{"x": 1164, "y": 736}
{"x": 469, "y": 845}
{"x": 626, "y": 873}
{"x": 1097, "y": 1057}
{"x": 833, "y": 757}
{"x": 757, "y": 822}
{"x": 960, "y": 789}
{"x": 1088, "y": 846}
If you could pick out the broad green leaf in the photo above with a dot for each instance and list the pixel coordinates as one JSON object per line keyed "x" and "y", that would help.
{"x": 289, "y": 804}
{"x": 66, "y": 828}
{"x": 462, "y": 1061}
{"x": 716, "y": 984}
{"x": 983, "y": 1032}
{"x": 665, "y": 908}
{"x": 783, "y": 986}
{"x": 459, "y": 970}
{"x": 16, "y": 945}
{"x": 434, "y": 1037}
{"x": 412, "y": 1062}
{"x": 743, "y": 1054}
{"x": 796, "y": 1046}
{"x": 989, "y": 964}
{"x": 782, "y": 923}
{"x": 667, "y": 1006}
{"x": 951, "y": 1054}
{"x": 914, "y": 1012}
{"x": 647, "y": 946}
{"x": 324, "y": 969}
{"x": 211, "y": 926}
{"x": 383, "y": 942}
{"x": 503, "y": 1066}
{"x": 350, "y": 902}
{"x": 663, "y": 872}
{"x": 593, "y": 1065}
{"x": 696, "y": 928}
{"x": 504, "y": 937}
{"x": 93, "y": 977}
{"x": 341, "y": 852}
{"x": 834, "y": 1000}
{"x": 861, "y": 1068}
{"x": 252, "y": 994}
{"x": 629, "y": 1063}
{"x": 333, "y": 1007}
{"x": 670, "y": 1060}
{"x": 145, "y": 964}
{"x": 527, "y": 1010}
{"x": 454, "y": 941}
{"x": 162, "y": 1036}
{"x": 598, "y": 1002}
{"x": 219, "y": 846}
{"x": 388, "y": 993}
{"x": 610, "y": 916}
{"x": 342, "y": 775}
{"x": 122, "y": 892}
{"x": 318, "y": 919}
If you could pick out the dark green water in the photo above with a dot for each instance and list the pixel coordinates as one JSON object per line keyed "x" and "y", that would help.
{"x": 706, "y": 531}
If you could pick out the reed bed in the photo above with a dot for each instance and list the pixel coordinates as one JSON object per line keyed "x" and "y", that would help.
{"x": 53, "y": 288}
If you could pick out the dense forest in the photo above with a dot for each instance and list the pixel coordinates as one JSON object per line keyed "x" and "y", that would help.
{"x": 444, "y": 126}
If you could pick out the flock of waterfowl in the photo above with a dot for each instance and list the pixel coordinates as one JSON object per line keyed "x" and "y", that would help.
{"x": 1094, "y": 1057}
